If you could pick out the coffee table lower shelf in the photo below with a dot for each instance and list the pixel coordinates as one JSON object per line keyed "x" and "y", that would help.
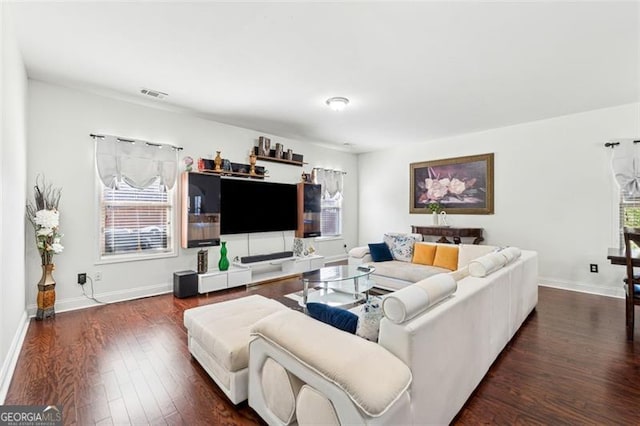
{"x": 332, "y": 297}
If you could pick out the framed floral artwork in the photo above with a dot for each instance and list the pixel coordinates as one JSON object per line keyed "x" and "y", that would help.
{"x": 462, "y": 185}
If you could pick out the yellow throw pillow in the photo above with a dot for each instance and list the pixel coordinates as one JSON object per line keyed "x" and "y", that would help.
{"x": 446, "y": 257}
{"x": 424, "y": 253}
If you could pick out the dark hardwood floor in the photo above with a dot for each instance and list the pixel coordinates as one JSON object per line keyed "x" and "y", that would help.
{"x": 128, "y": 363}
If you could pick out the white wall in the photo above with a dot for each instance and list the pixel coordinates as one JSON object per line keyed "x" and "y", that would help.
{"x": 13, "y": 95}
{"x": 553, "y": 192}
{"x": 60, "y": 121}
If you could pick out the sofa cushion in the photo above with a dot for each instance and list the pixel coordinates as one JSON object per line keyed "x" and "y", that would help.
{"x": 510, "y": 253}
{"x": 469, "y": 252}
{"x": 222, "y": 329}
{"x": 412, "y": 272}
{"x": 369, "y": 316}
{"x": 485, "y": 265}
{"x": 424, "y": 253}
{"x": 314, "y": 345}
{"x": 313, "y": 408}
{"x": 407, "y": 303}
{"x": 380, "y": 252}
{"x": 336, "y": 317}
{"x": 401, "y": 245}
{"x": 446, "y": 257}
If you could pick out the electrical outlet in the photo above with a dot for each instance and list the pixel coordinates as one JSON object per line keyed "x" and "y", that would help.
{"x": 594, "y": 268}
{"x": 98, "y": 276}
{"x": 82, "y": 278}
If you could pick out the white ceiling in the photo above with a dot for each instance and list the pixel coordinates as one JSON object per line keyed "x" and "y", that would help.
{"x": 414, "y": 71}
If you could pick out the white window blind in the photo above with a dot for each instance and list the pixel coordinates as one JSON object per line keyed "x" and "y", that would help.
{"x": 331, "y": 201}
{"x": 136, "y": 221}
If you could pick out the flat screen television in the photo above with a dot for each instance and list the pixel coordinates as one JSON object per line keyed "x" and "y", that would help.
{"x": 256, "y": 206}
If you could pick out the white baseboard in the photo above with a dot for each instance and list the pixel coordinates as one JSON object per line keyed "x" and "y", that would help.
{"x": 82, "y": 302}
{"x": 9, "y": 364}
{"x": 617, "y": 292}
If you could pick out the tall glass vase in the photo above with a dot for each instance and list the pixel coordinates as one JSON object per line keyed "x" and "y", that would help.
{"x": 46, "y": 293}
{"x": 223, "y": 263}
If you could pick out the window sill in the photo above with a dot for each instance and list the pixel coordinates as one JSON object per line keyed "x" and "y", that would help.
{"x": 121, "y": 258}
{"x": 329, "y": 238}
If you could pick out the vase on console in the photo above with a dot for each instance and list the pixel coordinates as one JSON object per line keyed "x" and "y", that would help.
{"x": 434, "y": 218}
{"x": 223, "y": 263}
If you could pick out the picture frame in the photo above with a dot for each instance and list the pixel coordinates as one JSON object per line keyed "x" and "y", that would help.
{"x": 461, "y": 185}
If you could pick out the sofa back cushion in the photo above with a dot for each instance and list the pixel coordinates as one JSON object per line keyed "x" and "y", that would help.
{"x": 380, "y": 252}
{"x": 446, "y": 257}
{"x": 424, "y": 253}
{"x": 401, "y": 245}
{"x": 469, "y": 252}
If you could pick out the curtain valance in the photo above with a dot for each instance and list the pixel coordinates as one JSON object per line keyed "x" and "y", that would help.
{"x": 136, "y": 162}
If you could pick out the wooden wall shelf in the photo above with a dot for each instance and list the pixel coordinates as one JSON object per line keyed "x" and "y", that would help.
{"x": 236, "y": 174}
{"x": 277, "y": 160}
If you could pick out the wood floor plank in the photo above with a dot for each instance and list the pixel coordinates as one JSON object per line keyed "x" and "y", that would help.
{"x": 128, "y": 363}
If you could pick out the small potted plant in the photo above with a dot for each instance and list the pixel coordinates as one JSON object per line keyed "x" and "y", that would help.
{"x": 434, "y": 207}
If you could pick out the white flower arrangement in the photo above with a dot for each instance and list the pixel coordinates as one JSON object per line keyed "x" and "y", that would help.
{"x": 45, "y": 218}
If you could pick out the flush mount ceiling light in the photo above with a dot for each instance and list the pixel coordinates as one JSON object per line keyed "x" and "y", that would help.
{"x": 337, "y": 103}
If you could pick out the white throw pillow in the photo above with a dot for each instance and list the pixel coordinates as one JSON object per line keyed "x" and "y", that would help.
{"x": 412, "y": 300}
{"x": 401, "y": 245}
{"x": 369, "y": 316}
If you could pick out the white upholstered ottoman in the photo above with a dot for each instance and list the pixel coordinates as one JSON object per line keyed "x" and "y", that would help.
{"x": 218, "y": 338}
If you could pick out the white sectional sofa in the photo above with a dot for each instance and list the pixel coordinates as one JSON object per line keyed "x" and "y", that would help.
{"x": 401, "y": 272}
{"x": 421, "y": 371}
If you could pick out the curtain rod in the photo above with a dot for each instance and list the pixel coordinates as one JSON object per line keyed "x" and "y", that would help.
{"x": 330, "y": 170}
{"x": 614, "y": 144}
{"x": 177, "y": 148}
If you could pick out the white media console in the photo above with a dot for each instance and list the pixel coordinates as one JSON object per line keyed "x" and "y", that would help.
{"x": 240, "y": 274}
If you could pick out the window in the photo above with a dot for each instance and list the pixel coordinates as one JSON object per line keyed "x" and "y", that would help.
{"x": 331, "y": 201}
{"x": 136, "y": 221}
{"x": 629, "y": 215}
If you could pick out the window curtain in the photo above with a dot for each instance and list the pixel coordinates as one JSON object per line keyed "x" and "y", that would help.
{"x": 138, "y": 163}
{"x": 625, "y": 165}
{"x": 331, "y": 201}
{"x": 332, "y": 183}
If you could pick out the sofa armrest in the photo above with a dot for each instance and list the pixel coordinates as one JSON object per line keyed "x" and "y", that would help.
{"x": 359, "y": 255}
{"x": 310, "y": 345}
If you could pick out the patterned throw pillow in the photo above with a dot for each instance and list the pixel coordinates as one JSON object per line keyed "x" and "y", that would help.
{"x": 401, "y": 245}
{"x": 369, "y": 317}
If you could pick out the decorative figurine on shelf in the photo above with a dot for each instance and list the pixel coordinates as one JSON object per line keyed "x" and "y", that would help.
{"x": 443, "y": 218}
{"x": 188, "y": 164}
{"x": 298, "y": 247}
{"x": 264, "y": 146}
{"x": 203, "y": 261}
{"x": 279, "y": 150}
{"x": 252, "y": 163}
{"x": 217, "y": 162}
{"x": 223, "y": 263}
{"x": 226, "y": 165}
{"x": 290, "y": 154}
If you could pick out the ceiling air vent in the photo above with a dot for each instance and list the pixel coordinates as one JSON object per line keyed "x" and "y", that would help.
{"x": 153, "y": 93}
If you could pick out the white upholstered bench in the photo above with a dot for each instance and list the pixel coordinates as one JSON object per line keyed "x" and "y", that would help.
{"x": 218, "y": 338}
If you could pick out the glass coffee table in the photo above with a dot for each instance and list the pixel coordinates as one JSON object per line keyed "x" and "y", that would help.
{"x": 338, "y": 285}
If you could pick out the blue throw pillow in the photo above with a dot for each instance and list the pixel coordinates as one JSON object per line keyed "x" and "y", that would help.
{"x": 339, "y": 318}
{"x": 380, "y": 252}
